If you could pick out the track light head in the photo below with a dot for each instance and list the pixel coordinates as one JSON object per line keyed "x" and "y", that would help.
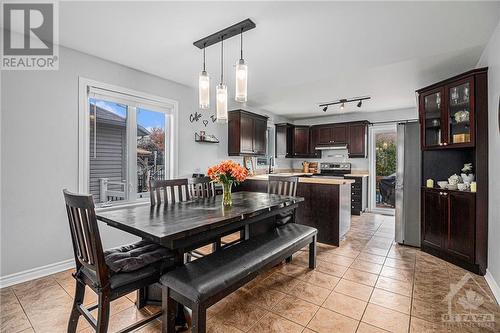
{"x": 325, "y": 108}
{"x": 342, "y": 106}
{"x": 360, "y": 103}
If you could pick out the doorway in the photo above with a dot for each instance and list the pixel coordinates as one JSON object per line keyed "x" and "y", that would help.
{"x": 383, "y": 158}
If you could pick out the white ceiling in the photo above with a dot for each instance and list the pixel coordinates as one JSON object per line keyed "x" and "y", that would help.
{"x": 300, "y": 53}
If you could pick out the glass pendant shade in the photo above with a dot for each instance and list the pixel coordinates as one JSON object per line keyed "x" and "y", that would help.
{"x": 204, "y": 90}
{"x": 221, "y": 93}
{"x": 241, "y": 81}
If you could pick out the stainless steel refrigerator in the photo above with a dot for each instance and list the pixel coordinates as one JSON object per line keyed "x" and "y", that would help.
{"x": 408, "y": 184}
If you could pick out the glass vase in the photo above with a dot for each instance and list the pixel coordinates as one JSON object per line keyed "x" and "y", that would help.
{"x": 226, "y": 195}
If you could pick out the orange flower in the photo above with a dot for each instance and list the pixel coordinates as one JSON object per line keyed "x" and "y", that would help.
{"x": 227, "y": 171}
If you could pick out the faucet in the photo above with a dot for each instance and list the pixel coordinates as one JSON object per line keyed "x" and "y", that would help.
{"x": 271, "y": 164}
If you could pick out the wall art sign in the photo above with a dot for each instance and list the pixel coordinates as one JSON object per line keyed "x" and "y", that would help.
{"x": 194, "y": 117}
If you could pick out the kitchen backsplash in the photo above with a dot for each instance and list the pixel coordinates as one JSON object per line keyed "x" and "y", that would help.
{"x": 335, "y": 156}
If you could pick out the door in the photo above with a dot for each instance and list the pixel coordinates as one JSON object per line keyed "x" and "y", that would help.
{"x": 432, "y": 118}
{"x": 339, "y": 133}
{"x": 260, "y": 144}
{"x": 382, "y": 158}
{"x": 434, "y": 215}
{"x": 461, "y": 221}
{"x": 246, "y": 134}
{"x": 301, "y": 141}
{"x": 357, "y": 139}
{"x": 460, "y": 113}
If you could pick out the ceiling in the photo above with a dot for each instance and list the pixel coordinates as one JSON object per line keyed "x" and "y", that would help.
{"x": 300, "y": 53}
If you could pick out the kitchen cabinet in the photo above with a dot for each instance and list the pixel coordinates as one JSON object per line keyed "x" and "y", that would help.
{"x": 357, "y": 139}
{"x": 246, "y": 134}
{"x": 359, "y": 194}
{"x": 294, "y": 141}
{"x": 453, "y": 117}
{"x": 331, "y": 133}
{"x": 447, "y": 113}
{"x": 448, "y": 224}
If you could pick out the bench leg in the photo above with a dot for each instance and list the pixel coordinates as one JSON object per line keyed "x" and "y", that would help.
{"x": 199, "y": 319}
{"x": 288, "y": 260}
{"x": 169, "y": 306}
{"x": 312, "y": 253}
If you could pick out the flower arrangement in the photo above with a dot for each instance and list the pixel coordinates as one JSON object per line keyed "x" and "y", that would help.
{"x": 227, "y": 173}
{"x": 467, "y": 169}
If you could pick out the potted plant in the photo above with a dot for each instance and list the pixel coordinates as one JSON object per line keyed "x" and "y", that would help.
{"x": 227, "y": 173}
{"x": 467, "y": 175}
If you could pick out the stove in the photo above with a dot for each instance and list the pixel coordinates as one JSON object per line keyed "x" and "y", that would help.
{"x": 334, "y": 169}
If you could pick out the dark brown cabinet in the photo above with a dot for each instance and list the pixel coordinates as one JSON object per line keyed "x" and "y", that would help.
{"x": 301, "y": 141}
{"x": 357, "y": 139}
{"x": 283, "y": 140}
{"x": 449, "y": 222}
{"x": 332, "y": 133}
{"x": 246, "y": 134}
{"x": 453, "y": 118}
{"x": 294, "y": 141}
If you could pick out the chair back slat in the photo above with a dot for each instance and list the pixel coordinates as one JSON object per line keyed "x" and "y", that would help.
{"x": 201, "y": 187}
{"x": 174, "y": 190}
{"x": 87, "y": 245}
{"x": 282, "y": 185}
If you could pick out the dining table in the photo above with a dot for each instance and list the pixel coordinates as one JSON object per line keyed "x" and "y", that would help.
{"x": 185, "y": 226}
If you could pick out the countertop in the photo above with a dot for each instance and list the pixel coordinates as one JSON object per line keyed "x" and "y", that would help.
{"x": 361, "y": 174}
{"x": 308, "y": 180}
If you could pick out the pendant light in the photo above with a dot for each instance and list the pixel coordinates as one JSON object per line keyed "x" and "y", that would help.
{"x": 221, "y": 91}
{"x": 204, "y": 86}
{"x": 241, "y": 75}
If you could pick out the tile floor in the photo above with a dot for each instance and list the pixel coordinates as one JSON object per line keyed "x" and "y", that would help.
{"x": 368, "y": 284}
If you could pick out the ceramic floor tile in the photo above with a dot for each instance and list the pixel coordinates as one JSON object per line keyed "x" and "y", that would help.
{"x": 273, "y": 323}
{"x": 387, "y": 319}
{"x": 120, "y": 320}
{"x": 375, "y": 250}
{"x": 366, "y": 266}
{"x": 330, "y": 256}
{"x": 329, "y": 268}
{"x": 391, "y": 300}
{"x": 296, "y": 309}
{"x": 243, "y": 316}
{"x": 346, "y": 305}
{"x": 395, "y": 286}
{"x": 319, "y": 279}
{"x": 215, "y": 325}
{"x": 361, "y": 277}
{"x": 354, "y": 289}
{"x": 366, "y": 328}
{"x": 400, "y": 264}
{"x": 264, "y": 297}
{"x": 12, "y": 316}
{"x": 418, "y": 325}
{"x": 372, "y": 258}
{"x": 310, "y": 292}
{"x": 280, "y": 282}
{"x": 326, "y": 321}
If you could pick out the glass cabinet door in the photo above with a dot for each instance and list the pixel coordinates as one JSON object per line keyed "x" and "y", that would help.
{"x": 432, "y": 104}
{"x": 460, "y": 112}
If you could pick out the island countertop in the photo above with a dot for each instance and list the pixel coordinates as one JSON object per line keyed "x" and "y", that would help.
{"x": 307, "y": 179}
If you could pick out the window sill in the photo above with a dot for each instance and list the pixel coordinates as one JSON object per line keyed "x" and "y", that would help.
{"x": 115, "y": 206}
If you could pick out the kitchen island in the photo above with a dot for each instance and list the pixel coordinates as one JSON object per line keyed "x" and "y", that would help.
{"x": 326, "y": 206}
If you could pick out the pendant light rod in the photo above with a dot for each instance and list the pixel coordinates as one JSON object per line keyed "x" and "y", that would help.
{"x": 241, "y": 44}
{"x": 222, "y": 59}
{"x": 228, "y": 32}
{"x": 204, "y": 69}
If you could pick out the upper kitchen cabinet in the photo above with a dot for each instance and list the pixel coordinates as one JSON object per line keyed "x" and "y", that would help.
{"x": 294, "y": 141}
{"x": 284, "y": 140}
{"x": 331, "y": 133}
{"x": 357, "y": 139}
{"x": 246, "y": 133}
{"x": 301, "y": 141}
{"x": 448, "y": 111}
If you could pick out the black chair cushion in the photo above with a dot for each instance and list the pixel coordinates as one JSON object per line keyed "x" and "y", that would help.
{"x": 150, "y": 273}
{"x": 210, "y": 275}
{"x": 130, "y": 258}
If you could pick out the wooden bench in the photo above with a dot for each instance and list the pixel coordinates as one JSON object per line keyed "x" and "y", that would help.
{"x": 202, "y": 283}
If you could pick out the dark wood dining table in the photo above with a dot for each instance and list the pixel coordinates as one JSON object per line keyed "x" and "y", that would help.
{"x": 188, "y": 225}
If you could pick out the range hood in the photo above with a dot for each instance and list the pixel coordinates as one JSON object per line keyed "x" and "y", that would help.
{"x": 334, "y": 146}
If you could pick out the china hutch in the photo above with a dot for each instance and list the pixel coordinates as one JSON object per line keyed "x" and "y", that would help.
{"x": 453, "y": 117}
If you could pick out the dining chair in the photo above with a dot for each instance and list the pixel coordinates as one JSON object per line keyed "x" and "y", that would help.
{"x": 201, "y": 187}
{"x": 168, "y": 191}
{"x": 282, "y": 185}
{"x": 110, "y": 274}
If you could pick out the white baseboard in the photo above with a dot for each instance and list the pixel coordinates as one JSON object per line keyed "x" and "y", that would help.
{"x": 493, "y": 285}
{"x": 35, "y": 273}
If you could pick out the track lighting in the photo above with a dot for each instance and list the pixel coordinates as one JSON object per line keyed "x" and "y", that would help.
{"x": 343, "y": 102}
{"x": 204, "y": 86}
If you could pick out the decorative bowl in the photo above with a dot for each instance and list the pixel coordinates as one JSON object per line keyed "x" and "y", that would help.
{"x": 443, "y": 184}
{"x": 463, "y": 186}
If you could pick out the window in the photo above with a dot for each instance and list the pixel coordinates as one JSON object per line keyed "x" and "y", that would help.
{"x": 126, "y": 140}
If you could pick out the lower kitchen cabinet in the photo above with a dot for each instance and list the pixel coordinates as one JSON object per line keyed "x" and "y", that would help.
{"x": 449, "y": 226}
{"x": 359, "y": 194}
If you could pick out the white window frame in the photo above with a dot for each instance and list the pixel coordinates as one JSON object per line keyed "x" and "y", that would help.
{"x": 87, "y": 88}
